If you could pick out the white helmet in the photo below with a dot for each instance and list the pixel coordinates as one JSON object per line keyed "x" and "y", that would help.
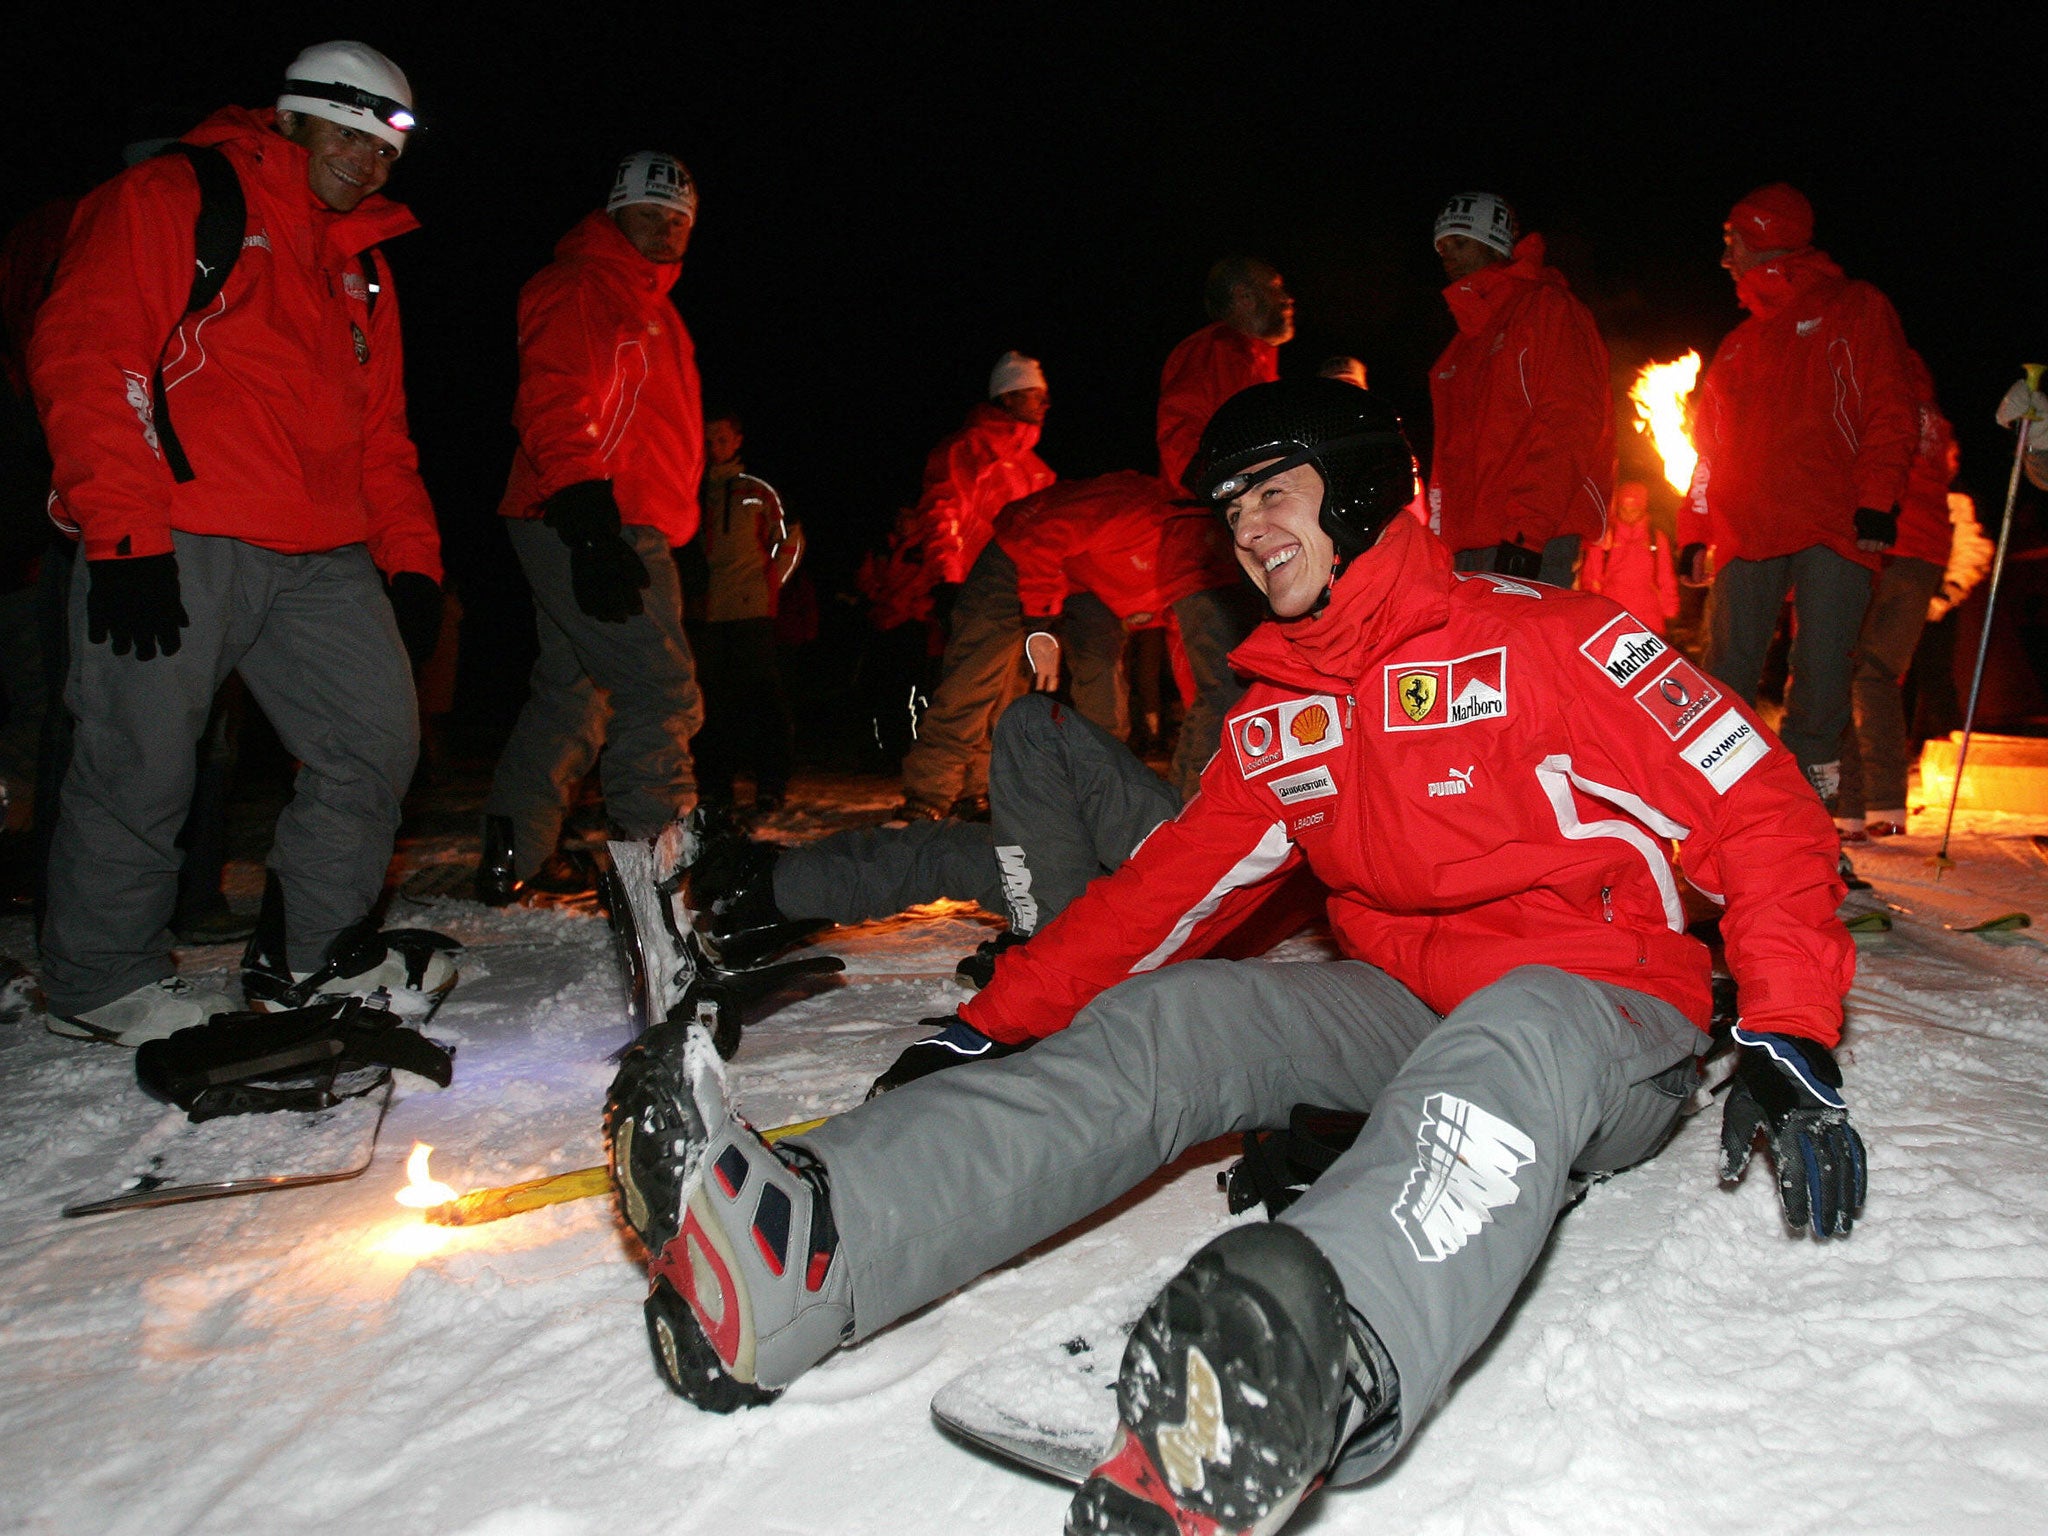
{"x": 352, "y": 84}
{"x": 649, "y": 176}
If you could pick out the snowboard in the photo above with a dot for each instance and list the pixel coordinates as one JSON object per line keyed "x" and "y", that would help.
{"x": 1047, "y": 1402}
{"x": 177, "y": 1161}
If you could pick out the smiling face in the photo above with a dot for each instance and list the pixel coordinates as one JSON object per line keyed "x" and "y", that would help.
{"x": 658, "y": 232}
{"x": 343, "y": 165}
{"x": 1277, "y": 531}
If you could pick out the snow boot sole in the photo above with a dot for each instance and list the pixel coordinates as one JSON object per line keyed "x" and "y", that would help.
{"x": 1229, "y": 1394}
{"x": 688, "y": 1362}
{"x": 654, "y": 1132}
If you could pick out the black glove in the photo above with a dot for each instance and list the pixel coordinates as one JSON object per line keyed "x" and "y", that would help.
{"x": 1692, "y": 565}
{"x": 1791, "y": 1088}
{"x": 1875, "y": 527}
{"x": 956, "y": 1043}
{"x": 606, "y": 572}
{"x": 135, "y": 603}
{"x": 416, "y": 601}
{"x": 1511, "y": 559}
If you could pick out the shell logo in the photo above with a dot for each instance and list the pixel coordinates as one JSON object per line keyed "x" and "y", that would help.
{"x": 1310, "y": 726}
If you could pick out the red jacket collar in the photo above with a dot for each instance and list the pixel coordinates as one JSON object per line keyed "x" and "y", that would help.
{"x": 1398, "y": 589}
{"x": 594, "y": 237}
{"x": 1477, "y": 299}
{"x": 1766, "y": 289}
{"x": 273, "y": 169}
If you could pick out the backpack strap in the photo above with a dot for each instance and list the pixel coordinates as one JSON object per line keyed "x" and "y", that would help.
{"x": 216, "y": 246}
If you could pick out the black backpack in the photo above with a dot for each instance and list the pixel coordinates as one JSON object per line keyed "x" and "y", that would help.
{"x": 216, "y": 247}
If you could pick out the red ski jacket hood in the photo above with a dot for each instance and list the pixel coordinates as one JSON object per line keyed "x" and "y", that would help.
{"x": 1486, "y": 774}
{"x": 287, "y": 392}
{"x": 608, "y": 385}
{"x": 1806, "y": 413}
{"x": 1118, "y": 536}
{"x": 1201, "y": 373}
{"x": 1524, "y": 411}
{"x": 969, "y": 478}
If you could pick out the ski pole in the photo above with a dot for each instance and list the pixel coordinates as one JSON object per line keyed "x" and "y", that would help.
{"x": 482, "y": 1205}
{"x": 2012, "y": 492}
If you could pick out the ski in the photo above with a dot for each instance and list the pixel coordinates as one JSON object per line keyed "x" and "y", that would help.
{"x": 2004, "y": 922}
{"x": 177, "y": 1161}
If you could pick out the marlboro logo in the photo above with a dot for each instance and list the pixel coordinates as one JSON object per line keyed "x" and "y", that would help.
{"x": 1430, "y": 695}
{"x": 1624, "y": 649}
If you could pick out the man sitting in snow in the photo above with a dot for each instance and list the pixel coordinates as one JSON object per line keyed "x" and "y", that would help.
{"x": 1489, "y": 776}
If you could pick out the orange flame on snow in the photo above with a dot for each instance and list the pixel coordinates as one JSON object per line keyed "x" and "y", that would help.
{"x": 1659, "y": 395}
{"x": 422, "y": 1189}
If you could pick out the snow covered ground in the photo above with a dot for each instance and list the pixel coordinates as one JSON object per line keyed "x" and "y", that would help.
{"x": 317, "y": 1360}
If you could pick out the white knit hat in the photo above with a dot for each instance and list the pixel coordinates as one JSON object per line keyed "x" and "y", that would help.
{"x": 1014, "y": 370}
{"x": 649, "y": 176}
{"x": 354, "y": 85}
{"x": 1480, "y": 216}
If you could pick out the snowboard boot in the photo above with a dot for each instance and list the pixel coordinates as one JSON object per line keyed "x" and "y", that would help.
{"x": 497, "y": 882}
{"x": 151, "y": 1012}
{"x": 732, "y": 891}
{"x": 979, "y": 969}
{"x": 749, "y": 1288}
{"x": 563, "y": 877}
{"x": 406, "y": 970}
{"x": 1242, "y": 1382}
{"x": 646, "y": 896}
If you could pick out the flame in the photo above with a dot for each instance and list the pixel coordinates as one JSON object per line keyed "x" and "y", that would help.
{"x": 1659, "y": 394}
{"x": 422, "y": 1190}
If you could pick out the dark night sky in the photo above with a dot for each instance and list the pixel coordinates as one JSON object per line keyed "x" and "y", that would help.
{"x": 894, "y": 194}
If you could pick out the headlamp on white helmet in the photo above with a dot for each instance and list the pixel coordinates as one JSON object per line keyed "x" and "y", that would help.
{"x": 354, "y": 85}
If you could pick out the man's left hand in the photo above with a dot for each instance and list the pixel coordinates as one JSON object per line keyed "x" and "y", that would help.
{"x": 1790, "y": 1088}
{"x": 1875, "y": 530}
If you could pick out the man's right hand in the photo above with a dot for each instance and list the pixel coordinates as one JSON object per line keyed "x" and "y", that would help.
{"x": 135, "y": 603}
{"x": 605, "y": 571}
{"x": 956, "y": 1043}
{"x": 1692, "y": 565}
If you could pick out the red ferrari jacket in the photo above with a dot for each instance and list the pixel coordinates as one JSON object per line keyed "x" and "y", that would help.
{"x": 1805, "y": 414}
{"x": 607, "y": 384}
{"x": 1486, "y": 774}
{"x": 1200, "y": 374}
{"x": 1117, "y": 536}
{"x": 969, "y": 478}
{"x": 1524, "y": 415}
{"x": 1924, "y": 529}
{"x": 288, "y": 391}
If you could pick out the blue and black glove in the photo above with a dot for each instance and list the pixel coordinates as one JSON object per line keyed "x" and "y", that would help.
{"x": 956, "y": 1043}
{"x": 1791, "y": 1089}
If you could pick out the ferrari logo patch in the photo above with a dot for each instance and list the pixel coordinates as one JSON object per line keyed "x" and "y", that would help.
{"x": 1417, "y": 693}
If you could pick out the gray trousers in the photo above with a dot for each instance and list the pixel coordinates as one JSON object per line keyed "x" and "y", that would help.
{"x": 983, "y": 671}
{"x": 1212, "y": 625}
{"x": 1068, "y": 802}
{"x": 1874, "y": 750}
{"x": 315, "y": 641}
{"x": 1479, "y": 1121}
{"x": 627, "y": 691}
{"x": 1829, "y": 595}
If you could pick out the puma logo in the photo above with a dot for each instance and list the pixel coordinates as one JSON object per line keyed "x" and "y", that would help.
{"x": 1201, "y": 1436}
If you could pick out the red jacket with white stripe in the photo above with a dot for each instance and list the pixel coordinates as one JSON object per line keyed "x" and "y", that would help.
{"x": 969, "y": 478}
{"x": 607, "y": 384}
{"x": 1200, "y": 374}
{"x": 287, "y": 392}
{"x": 1119, "y": 537}
{"x": 1806, "y": 413}
{"x": 1524, "y": 412}
{"x": 1486, "y": 774}
{"x": 1924, "y": 528}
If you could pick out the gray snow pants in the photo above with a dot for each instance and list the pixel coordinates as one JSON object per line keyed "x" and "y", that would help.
{"x": 1479, "y": 1121}
{"x": 983, "y": 671}
{"x": 628, "y": 691}
{"x": 1874, "y": 749}
{"x": 1829, "y": 595}
{"x": 315, "y": 640}
{"x": 1560, "y": 560}
{"x": 1212, "y": 624}
{"x": 1068, "y": 802}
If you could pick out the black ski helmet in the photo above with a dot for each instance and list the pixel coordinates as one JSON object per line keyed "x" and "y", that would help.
{"x": 1354, "y": 441}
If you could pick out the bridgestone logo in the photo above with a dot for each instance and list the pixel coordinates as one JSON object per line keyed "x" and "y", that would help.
{"x": 1466, "y": 1162}
{"x": 1623, "y": 648}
